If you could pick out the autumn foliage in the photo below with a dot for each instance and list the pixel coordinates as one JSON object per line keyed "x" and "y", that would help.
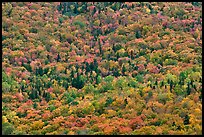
{"x": 102, "y": 68}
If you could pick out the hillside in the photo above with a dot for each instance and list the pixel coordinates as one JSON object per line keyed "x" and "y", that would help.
{"x": 100, "y": 68}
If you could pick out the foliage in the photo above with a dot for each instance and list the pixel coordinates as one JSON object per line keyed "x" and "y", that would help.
{"x": 96, "y": 68}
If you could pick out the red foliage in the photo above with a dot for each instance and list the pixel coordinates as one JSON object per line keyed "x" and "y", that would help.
{"x": 19, "y": 96}
{"x": 91, "y": 8}
{"x": 50, "y": 89}
{"x": 46, "y": 114}
{"x": 29, "y": 102}
{"x": 89, "y": 60}
{"x": 8, "y": 70}
{"x": 136, "y": 123}
{"x": 123, "y": 129}
{"x": 141, "y": 67}
{"x": 154, "y": 69}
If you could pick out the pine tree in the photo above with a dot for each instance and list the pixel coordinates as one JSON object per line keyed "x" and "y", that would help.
{"x": 171, "y": 85}
{"x": 124, "y": 70}
{"x": 186, "y": 120}
{"x": 47, "y": 96}
{"x": 188, "y": 89}
{"x": 58, "y": 58}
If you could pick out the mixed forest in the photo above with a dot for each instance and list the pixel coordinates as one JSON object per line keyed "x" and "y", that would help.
{"x": 102, "y": 68}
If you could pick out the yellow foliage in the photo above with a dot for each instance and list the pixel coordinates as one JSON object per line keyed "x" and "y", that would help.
{"x": 89, "y": 97}
{"x": 4, "y": 119}
{"x": 198, "y": 128}
{"x": 111, "y": 113}
{"x": 148, "y": 10}
{"x": 97, "y": 23}
{"x": 16, "y": 120}
{"x": 52, "y": 133}
{"x": 170, "y": 95}
{"x": 60, "y": 67}
{"x": 131, "y": 103}
{"x": 146, "y": 89}
{"x": 11, "y": 115}
{"x": 192, "y": 119}
{"x": 197, "y": 111}
{"x": 71, "y": 133}
{"x": 180, "y": 132}
{"x": 147, "y": 130}
{"x": 56, "y": 112}
{"x": 37, "y": 125}
{"x": 23, "y": 128}
{"x": 109, "y": 129}
{"x": 52, "y": 95}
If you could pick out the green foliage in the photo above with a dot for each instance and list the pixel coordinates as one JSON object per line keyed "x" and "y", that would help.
{"x": 171, "y": 77}
{"x": 138, "y": 34}
{"x": 81, "y": 24}
{"x": 183, "y": 75}
{"x": 186, "y": 120}
{"x": 170, "y": 62}
{"x": 106, "y": 87}
{"x": 35, "y": 105}
{"x": 117, "y": 47}
{"x": 51, "y": 107}
{"x": 150, "y": 94}
{"x": 7, "y": 10}
{"x": 163, "y": 97}
{"x": 132, "y": 83}
{"x": 179, "y": 91}
{"x": 139, "y": 78}
{"x": 61, "y": 20}
{"x": 16, "y": 132}
{"x": 121, "y": 82}
{"x": 79, "y": 70}
{"x": 7, "y": 128}
{"x": 108, "y": 101}
{"x": 33, "y": 30}
{"x": 98, "y": 79}
{"x": 79, "y": 82}
{"x": 8, "y": 83}
{"x": 6, "y": 87}
{"x": 108, "y": 79}
{"x": 89, "y": 88}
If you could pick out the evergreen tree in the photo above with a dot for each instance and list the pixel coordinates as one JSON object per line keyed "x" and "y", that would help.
{"x": 138, "y": 34}
{"x": 47, "y": 96}
{"x": 171, "y": 85}
{"x": 58, "y": 58}
{"x": 188, "y": 89}
{"x": 124, "y": 70}
{"x": 186, "y": 120}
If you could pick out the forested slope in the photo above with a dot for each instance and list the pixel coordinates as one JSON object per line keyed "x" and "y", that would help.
{"x": 102, "y": 68}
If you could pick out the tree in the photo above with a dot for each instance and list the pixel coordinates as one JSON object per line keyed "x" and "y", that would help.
{"x": 138, "y": 34}
{"x": 124, "y": 70}
{"x": 136, "y": 123}
{"x": 58, "y": 58}
{"x": 98, "y": 79}
{"x": 116, "y": 72}
{"x": 163, "y": 97}
{"x": 79, "y": 81}
{"x": 108, "y": 101}
{"x": 171, "y": 85}
{"x": 186, "y": 120}
{"x": 109, "y": 79}
{"x": 7, "y": 128}
{"x": 121, "y": 82}
{"x": 182, "y": 76}
{"x": 188, "y": 90}
{"x": 34, "y": 94}
{"x": 6, "y": 87}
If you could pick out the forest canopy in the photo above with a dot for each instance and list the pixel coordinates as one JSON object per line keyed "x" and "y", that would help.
{"x": 102, "y": 68}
